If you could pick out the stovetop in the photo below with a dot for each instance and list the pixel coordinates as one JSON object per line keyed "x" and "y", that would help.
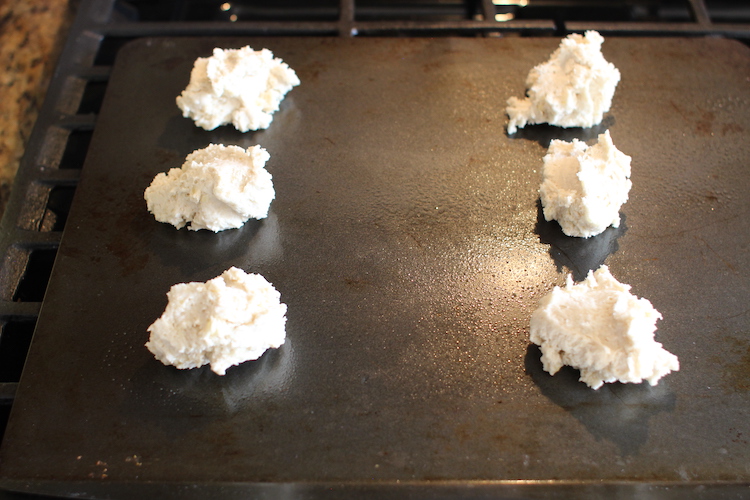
{"x": 35, "y": 217}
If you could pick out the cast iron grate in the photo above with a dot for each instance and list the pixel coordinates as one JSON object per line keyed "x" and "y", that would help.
{"x": 44, "y": 188}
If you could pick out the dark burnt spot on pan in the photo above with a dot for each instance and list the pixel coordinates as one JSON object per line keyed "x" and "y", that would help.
{"x": 738, "y": 437}
{"x": 736, "y": 369}
{"x": 309, "y": 71}
{"x": 544, "y": 133}
{"x": 579, "y": 255}
{"x": 429, "y": 67}
{"x": 731, "y": 128}
{"x": 711, "y": 197}
{"x": 312, "y": 75}
{"x": 677, "y": 109}
{"x": 705, "y": 123}
{"x": 357, "y": 283}
{"x": 738, "y": 373}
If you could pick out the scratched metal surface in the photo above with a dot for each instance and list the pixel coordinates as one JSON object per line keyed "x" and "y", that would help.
{"x": 406, "y": 240}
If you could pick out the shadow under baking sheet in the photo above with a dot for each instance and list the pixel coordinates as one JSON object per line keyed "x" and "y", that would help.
{"x": 544, "y": 134}
{"x": 579, "y": 255}
{"x": 615, "y": 412}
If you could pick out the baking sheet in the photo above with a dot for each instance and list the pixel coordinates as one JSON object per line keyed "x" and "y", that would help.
{"x": 407, "y": 241}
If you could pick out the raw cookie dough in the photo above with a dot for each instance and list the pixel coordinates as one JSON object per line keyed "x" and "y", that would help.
{"x": 600, "y": 328}
{"x": 230, "y": 319}
{"x": 238, "y": 86}
{"x": 574, "y": 88}
{"x": 217, "y": 188}
{"x": 584, "y": 187}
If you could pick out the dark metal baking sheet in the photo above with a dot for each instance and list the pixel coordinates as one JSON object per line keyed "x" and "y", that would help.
{"x": 407, "y": 242}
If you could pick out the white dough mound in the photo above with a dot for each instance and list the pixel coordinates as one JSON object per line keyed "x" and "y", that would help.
{"x": 574, "y": 88}
{"x": 584, "y": 187}
{"x": 217, "y": 188}
{"x": 600, "y": 328}
{"x": 238, "y": 86}
{"x": 226, "y": 321}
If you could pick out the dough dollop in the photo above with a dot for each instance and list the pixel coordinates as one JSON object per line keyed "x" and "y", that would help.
{"x": 243, "y": 87}
{"x": 600, "y": 328}
{"x": 217, "y": 188}
{"x": 225, "y": 321}
{"x": 584, "y": 187}
{"x": 574, "y": 88}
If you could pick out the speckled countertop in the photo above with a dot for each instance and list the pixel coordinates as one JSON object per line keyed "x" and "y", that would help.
{"x": 32, "y": 33}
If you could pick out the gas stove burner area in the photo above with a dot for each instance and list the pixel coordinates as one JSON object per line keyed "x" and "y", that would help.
{"x": 36, "y": 216}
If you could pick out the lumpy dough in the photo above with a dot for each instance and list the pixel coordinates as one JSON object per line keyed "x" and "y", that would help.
{"x": 584, "y": 187}
{"x": 574, "y": 88}
{"x": 243, "y": 87}
{"x": 225, "y": 321}
{"x": 600, "y": 328}
{"x": 217, "y": 188}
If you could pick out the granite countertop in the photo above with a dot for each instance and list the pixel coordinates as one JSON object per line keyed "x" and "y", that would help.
{"x": 32, "y": 33}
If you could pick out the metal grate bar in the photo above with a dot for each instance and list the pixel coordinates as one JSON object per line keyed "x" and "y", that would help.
{"x": 346, "y": 18}
{"x": 19, "y": 310}
{"x": 398, "y": 27}
{"x": 7, "y": 392}
{"x": 200, "y": 28}
{"x": 37, "y": 239}
{"x": 700, "y": 12}
{"x": 278, "y": 28}
{"x": 661, "y": 29}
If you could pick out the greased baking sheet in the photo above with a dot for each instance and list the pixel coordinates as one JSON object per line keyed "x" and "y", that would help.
{"x": 406, "y": 240}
